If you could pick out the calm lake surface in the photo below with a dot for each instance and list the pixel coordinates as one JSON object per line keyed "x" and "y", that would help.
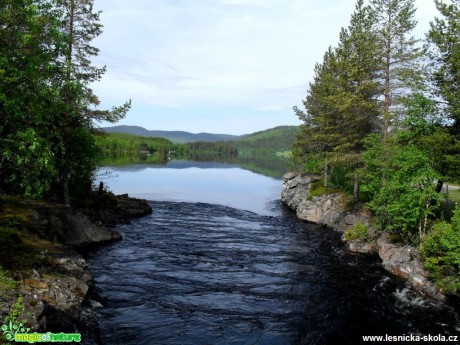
{"x": 213, "y": 183}
{"x": 221, "y": 261}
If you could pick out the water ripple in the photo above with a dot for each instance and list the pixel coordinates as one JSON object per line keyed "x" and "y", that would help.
{"x": 209, "y": 274}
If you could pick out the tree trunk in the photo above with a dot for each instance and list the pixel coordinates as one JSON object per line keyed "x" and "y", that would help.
{"x": 439, "y": 186}
{"x": 386, "y": 110}
{"x": 65, "y": 197}
{"x": 325, "y": 171}
{"x": 356, "y": 185}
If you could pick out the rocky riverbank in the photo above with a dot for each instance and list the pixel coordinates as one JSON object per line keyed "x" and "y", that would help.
{"x": 332, "y": 210}
{"x": 41, "y": 247}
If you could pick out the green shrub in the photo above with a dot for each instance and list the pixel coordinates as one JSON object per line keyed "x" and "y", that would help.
{"x": 357, "y": 231}
{"x": 441, "y": 252}
{"x": 398, "y": 181}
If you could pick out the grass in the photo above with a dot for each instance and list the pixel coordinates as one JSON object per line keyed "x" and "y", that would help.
{"x": 454, "y": 195}
{"x": 317, "y": 189}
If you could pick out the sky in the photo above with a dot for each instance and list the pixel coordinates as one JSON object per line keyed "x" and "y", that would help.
{"x": 218, "y": 66}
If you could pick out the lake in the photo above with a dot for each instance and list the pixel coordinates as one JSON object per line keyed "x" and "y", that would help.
{"x": 207, "y": 182}
{"x": 222, "y": 261}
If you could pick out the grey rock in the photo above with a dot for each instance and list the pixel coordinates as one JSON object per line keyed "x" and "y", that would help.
{"x": 401, "y": 260}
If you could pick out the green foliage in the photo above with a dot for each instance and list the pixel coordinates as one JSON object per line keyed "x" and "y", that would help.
{"x": 441, "y": 252}
{"x": 219, "y": 149}
{"x": 6, "y": 281}
{"x": 17, "y": 314}
{"x": 342, "y": 106}
{"x": 33, "y": 167}
{"x": 275, "y": 139}
{"x": 46, "y": 106}
{"x": 26, "y": 91}
{"x": 358, "y": 231}
{"x": 119, "y": 145}
{"x": 399, "y": 182}
{"x": 444, "y": 38}
{"x": 400, "y": 71}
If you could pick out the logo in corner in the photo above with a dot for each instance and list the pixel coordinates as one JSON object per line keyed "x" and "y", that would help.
{"x": 10, "y": 331}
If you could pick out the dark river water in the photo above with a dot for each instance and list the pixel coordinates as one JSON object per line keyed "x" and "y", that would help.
{"x": 217, "y": 273}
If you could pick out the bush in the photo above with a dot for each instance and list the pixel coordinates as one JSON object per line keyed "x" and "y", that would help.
{"x": 357, "y": 232}
{"x": 441, "y": 252}
{"x": 398, "y": 181}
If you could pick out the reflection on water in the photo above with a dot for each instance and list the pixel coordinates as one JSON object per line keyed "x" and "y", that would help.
{"x": 213, "y": 183}
{"x": 262, "y": 163}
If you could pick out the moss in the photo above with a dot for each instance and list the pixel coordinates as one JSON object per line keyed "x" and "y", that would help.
{"x": 6, "y": 280}
{"x": 317, "y": 189}
{"x": 357, "y": 231}
{"x": 21, "y": 250}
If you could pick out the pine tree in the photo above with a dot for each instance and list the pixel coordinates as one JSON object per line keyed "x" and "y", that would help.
{"x": 394, "y": 22}
{"x": 358, "y": 50}
{"x": 342, "y": 103}
{"x": 320, "y": 131}
{"x": 80, "y": 27}
{"x": 359, "y": 60}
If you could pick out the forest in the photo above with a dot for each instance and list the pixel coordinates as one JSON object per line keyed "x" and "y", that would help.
{"x": 48, "y": 110}
{"x": 382, "y": 123}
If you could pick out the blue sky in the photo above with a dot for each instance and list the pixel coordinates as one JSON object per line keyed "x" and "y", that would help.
{"x": 219, "y": 66}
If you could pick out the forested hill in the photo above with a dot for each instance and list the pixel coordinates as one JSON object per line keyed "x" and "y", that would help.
{"x": 279, "y": 138}
{"x": 174, "y": 136}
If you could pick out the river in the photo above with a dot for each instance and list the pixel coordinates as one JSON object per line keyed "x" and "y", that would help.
{"x": 221, "y": 261}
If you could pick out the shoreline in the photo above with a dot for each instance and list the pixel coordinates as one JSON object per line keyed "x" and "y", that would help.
{"x": 51, "y": 285}
{"x": 331, "y": 210}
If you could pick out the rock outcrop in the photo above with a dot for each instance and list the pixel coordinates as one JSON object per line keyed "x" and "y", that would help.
{"x": 52, "y": 278}
{"x": 108, "y": 209}
{"x": 331, "y": 210}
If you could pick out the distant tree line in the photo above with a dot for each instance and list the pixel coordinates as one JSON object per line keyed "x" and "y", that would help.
{"x": 47, "y": 107}
{"x": 126, "y": 144}
{"x": 219, "y": 149}
{"x": 382, "y": 117}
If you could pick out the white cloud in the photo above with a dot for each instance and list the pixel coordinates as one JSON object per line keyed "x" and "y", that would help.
{"x": 258, "y": 54}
